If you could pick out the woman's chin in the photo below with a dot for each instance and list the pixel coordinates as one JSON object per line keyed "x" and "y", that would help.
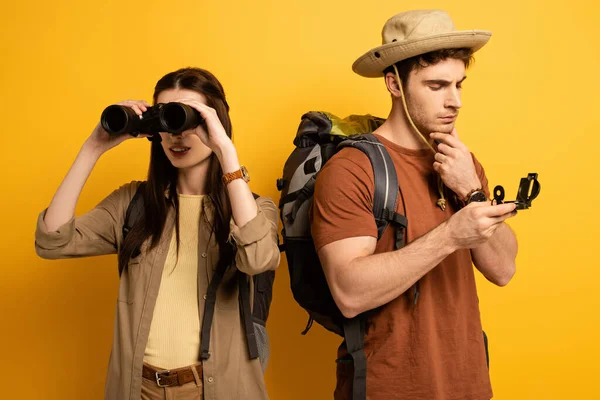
{"x": 188, "y": 162}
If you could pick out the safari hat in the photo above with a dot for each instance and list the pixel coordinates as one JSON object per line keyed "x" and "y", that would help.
{"x": 411, "y": 33}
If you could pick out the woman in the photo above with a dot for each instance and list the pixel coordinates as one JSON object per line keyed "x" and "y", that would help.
{"x": 200, "y": 217}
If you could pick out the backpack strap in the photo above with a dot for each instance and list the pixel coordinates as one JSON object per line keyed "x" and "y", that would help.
{"x": 302, "y": 195}
{"x": 263, "y": 295}
{"x": 209, "y": 310}
{"x": 246, "y": 312}
{"x": 135, "y": 212}
{"x": 209, "y": 306}
{"x": 246, "y": 315}
{"x": 135, "y": 209}
{"x": 385, "y": 199}
{"x": 386, "y": 182}
{"x": 354, "y": 334}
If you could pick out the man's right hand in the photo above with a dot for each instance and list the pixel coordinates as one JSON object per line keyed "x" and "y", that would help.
{"x": 477, "y": 222}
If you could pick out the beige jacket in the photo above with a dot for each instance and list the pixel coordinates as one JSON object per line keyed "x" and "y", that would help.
{"x": 228, "y": 373}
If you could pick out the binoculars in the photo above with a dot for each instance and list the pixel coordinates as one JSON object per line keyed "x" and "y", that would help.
{"x": 163, "y": 117}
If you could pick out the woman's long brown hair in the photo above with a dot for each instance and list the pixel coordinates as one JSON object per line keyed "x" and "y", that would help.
{"x": 160, "y": 192}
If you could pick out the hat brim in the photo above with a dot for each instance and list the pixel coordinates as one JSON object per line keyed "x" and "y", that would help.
{"x": 372, "y": 63}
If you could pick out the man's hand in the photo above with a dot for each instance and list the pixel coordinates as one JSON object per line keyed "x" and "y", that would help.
{"x": 477, "y": 222}
{"x": 454, "y": 163}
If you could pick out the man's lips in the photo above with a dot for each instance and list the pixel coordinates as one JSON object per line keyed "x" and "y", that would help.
{"x": 449, "y": 117}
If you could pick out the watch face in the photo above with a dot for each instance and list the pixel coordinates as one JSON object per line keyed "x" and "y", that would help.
{"x": 478, "y": 196}
{"x": 245, "y": 174}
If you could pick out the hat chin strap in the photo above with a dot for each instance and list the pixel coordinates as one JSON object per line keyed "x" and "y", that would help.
{"x": 441, "y": 203}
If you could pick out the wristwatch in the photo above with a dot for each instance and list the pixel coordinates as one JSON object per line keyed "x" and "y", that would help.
{"x": 240, "y": 173}
{"x": 475, "y": 195}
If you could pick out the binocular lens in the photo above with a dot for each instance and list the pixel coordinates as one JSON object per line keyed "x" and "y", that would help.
{"x": 170, "y": 117}
{"x": 178, "y": 117}
{"x": 119, "y": 119}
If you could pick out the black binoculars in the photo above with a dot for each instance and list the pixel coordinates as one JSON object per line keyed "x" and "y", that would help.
{"x": 163, "y": 117}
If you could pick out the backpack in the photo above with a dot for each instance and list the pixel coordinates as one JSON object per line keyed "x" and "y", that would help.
{"x": 320, "y": 136}
{"x": 254, "y": 321}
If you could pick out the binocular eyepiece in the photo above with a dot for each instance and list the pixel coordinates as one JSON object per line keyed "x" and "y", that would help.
{"x": 168, "y": 117}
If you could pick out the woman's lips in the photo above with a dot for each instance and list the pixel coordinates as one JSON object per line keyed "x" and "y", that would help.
{"x": 179, "y": 151}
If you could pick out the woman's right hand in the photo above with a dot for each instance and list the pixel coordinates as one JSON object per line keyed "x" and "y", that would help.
{"x": 101, "y": 141}
{"x": 62, "y": 206}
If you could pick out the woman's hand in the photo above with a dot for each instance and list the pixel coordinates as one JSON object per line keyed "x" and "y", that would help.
{"x": 101, "y": 141}
{"x": 211, "y": 132}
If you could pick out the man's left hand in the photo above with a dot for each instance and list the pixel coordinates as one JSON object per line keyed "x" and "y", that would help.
{"x": 454, "y": 163}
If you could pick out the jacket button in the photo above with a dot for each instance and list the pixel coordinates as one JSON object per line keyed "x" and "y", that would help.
{"x": 204, "y": 297}
{"x": 210, "y": 379}
{"x": 203, "y": 255}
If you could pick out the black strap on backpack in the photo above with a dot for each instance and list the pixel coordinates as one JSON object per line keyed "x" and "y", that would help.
{"x": 263, "y": 294}
{"x": 354, "y": 334}
{"x": 384, "y": 209}
{"x": 134, "y": 213}
{"x": 245, "y": 310}
{"x": 209, "y": 309}
{"x": 386, "y": 184}
{"x": 246, "y": 315}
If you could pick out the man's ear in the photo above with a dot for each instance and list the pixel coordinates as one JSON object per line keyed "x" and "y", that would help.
{"x": 392, "y": 84}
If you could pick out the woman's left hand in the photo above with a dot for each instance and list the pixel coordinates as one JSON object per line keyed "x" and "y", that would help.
{"x": 211, "y": 131}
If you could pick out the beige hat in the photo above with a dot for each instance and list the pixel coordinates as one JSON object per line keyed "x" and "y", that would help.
{"x": 411, "y": 33}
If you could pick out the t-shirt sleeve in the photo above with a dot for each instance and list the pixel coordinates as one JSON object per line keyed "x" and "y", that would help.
{"x": 481, "y": 175}
{"x": 343, "y": 199}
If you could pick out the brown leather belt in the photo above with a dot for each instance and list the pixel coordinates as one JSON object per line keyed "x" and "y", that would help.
{"x": 176, "y": 377}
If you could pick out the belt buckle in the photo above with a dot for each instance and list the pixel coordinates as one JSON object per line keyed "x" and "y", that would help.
{"x": 157, "y": 375}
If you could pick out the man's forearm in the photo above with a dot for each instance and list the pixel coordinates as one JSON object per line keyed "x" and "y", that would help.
{"x": 495, "y": 258}
{"x": 360, "y": 280}
{"x": 374, "y": 280}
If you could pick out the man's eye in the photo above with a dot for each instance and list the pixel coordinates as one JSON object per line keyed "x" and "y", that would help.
{"x": 435, "y": 88}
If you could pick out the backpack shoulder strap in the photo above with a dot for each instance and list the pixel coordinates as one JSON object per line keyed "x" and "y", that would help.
{"x": 209, "y": 310}
{"x": 246, "y": 315}
{"x": 135, "y": 209}
{"x": 384, "y": 210}
{"x": 354, "y": 335}
{"x": 134, "y": 213}
{"x": 386, "y": 181}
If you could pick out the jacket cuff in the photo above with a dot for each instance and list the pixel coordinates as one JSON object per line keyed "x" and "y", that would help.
{"x": 55, "y": 239}
{"x": 256, "y": 229}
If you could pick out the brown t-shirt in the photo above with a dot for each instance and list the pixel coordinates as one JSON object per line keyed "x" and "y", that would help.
{"x": 433, "y": 350}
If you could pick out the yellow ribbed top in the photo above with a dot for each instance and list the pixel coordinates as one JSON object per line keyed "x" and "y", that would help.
{"x": 174, "y": 339}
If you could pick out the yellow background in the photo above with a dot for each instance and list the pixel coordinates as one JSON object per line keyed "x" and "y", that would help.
{"x": 530, "y": 105}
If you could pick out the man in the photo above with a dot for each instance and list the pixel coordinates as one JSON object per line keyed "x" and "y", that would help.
{"x": 424, "y": 340}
